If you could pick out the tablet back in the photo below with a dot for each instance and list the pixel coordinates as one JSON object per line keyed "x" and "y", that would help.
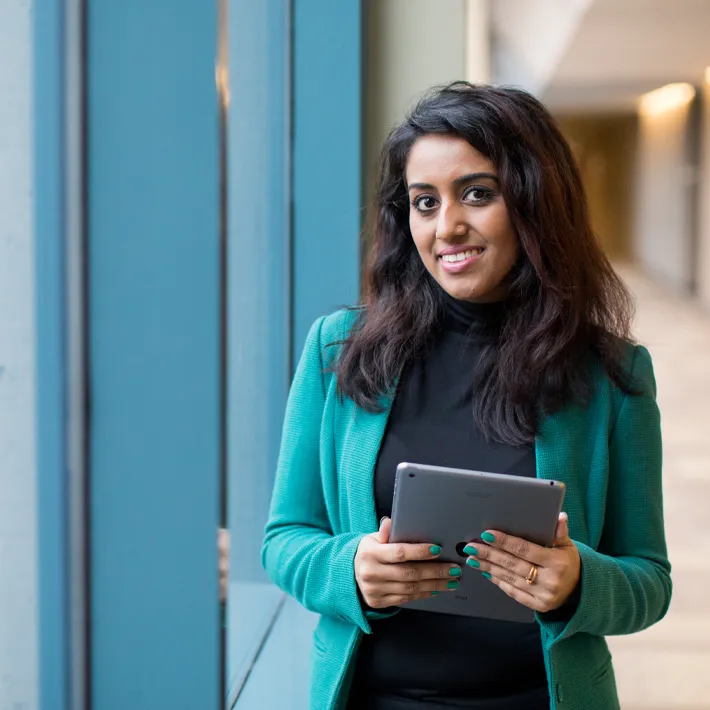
{"x": 452, "y": 507}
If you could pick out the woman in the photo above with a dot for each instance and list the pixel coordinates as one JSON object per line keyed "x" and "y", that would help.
{"x": 494, "y": 336}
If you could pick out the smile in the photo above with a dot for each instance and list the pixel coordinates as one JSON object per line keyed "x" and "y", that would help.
{"x": 454, "y": 263}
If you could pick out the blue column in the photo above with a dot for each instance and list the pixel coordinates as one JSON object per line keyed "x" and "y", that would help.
{"x": 154, "y": 352}
{"x": 327, "y": 159}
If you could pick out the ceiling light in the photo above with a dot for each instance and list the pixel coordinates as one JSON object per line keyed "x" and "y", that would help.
{"x": 667, "y": 98}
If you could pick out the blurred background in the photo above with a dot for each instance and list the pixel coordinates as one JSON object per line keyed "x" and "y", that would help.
{"x": 182, "y": 192}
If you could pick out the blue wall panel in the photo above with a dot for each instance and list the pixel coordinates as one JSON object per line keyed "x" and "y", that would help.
{"x": 49, "y": 256}
{"x": 327, "y": 159}
{"x": 154, "y": 348}
{"x": 259, "y": 266}
{"x": 259, "y": 305}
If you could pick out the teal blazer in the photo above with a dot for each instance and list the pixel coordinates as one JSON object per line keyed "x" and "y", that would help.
{"x": 608, "y": 454}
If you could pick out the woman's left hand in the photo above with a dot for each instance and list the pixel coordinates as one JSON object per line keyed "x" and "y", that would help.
{"x": 508, "y": 561}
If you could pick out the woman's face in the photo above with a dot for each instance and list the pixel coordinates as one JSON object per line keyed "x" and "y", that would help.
{"x": 458, "y": 218}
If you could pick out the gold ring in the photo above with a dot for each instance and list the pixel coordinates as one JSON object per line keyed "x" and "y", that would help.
{"x": 532, "y": 575}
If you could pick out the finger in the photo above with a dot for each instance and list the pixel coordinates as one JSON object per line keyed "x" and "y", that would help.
{"x": 486, "y": 558}
{"x": 522, "y": 596}
{"x": 562, "y": 532}
{"x": 511, "y": 577}
{"x": 417, "y": 572}
{"x": 413, "y": 588}
{"x": 516, "y": 546}
{"x": 383, "y": 534}
{"x": 398, "y": 552}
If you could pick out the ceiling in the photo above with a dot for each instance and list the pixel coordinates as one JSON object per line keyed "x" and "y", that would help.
{"x": 623, "y": 48}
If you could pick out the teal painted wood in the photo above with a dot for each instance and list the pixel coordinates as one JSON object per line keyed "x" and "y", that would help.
{"x": 327, "y": 159}
{"x": 49, "y": 274}
{"x": 154, "y": 342}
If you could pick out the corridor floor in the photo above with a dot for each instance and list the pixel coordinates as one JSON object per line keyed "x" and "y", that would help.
{"x": 668, "y": 666}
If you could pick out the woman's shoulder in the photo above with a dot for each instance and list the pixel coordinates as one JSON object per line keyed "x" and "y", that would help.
{"x": 635, "y": 368}
{"x": 337, "y": 326}
{"x": 329, "y": 332}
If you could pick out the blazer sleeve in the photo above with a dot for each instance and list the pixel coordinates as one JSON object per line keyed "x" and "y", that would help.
{"x": 626, "y": 585}
{"x": 300, "y": 553}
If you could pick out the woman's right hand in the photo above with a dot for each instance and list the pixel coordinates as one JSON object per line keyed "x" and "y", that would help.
{"x": 393, "y": 574}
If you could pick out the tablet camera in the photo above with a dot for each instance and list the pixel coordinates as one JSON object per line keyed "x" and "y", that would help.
{"x": 459, "y": 549}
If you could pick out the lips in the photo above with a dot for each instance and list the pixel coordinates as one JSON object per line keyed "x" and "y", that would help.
{"x": 456, "y": 260}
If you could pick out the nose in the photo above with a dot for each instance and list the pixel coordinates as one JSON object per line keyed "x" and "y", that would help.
{"x": 451, "y": 223}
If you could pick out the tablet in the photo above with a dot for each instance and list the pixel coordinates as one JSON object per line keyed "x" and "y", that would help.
{"x": 452, "y": 507}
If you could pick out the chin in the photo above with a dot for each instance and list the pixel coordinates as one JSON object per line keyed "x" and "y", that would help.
{"x": 463, "y": 291}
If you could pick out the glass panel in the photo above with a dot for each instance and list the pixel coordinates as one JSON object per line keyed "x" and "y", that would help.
{"x": 258, "y": 308}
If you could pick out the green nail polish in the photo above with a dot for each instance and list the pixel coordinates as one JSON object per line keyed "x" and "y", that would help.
{"x": 454, "y": 572}
{"x": 470, "y": 550}
{"x": 486, "y": 575}
{"x": 433, "y": 594}
{"x": 473, "y": 563}
{"x": 435, "y": 549}
{"x": 488, "y": 537}
{"x": 454, "y": 584}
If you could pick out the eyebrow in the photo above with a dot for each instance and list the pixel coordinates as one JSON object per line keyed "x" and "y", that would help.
{"x": 458, "y": 181}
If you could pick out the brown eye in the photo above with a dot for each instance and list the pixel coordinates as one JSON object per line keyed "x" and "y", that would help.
{"x": 424, "y": 203}
{"x": 477, "y": 195}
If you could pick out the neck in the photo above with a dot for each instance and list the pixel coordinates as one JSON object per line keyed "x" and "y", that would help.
{"x": 471, "y": 317}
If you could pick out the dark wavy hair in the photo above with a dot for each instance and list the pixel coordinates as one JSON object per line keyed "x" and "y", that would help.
{"x": 566, "y": 305}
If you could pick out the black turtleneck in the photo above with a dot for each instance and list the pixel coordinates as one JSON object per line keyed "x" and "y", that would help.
{"x": 423, "y": 660}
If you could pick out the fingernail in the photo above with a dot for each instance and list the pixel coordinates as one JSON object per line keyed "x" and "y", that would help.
{"x": 433, "y": 594}
{"x": 382, "y": 519}
{"x": 455, "y": 572}
{"x": 473, "y": 563}
{"x": 470, "y": 550}
{"x": 435, "y": 549}
{"x": 486, "y": 575}
{"x": 453, "y": 584}
{"x": 488, "y": 537}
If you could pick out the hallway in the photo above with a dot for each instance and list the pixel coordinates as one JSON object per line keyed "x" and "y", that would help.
{"x": 668, "y": 666}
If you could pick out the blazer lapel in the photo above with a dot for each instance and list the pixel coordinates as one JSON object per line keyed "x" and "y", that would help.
{"x": 560, "y": 455}
{"x": 361, "y": 447}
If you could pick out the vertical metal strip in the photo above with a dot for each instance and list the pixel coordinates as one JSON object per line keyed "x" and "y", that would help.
{"x": 222, "y": 81}
{"x": 288, "y": 232}
{"x": 76, "y": 361}
{"x": 49, "y": 148}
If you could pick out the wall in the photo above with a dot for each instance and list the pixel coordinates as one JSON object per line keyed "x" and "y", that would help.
{"x": 604, "y": 146}
{"x": 703, "y": 268}
{"x": 663, "y": 241}
{"x": 18, "y": 584}
{"x": 409, "y": 48}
